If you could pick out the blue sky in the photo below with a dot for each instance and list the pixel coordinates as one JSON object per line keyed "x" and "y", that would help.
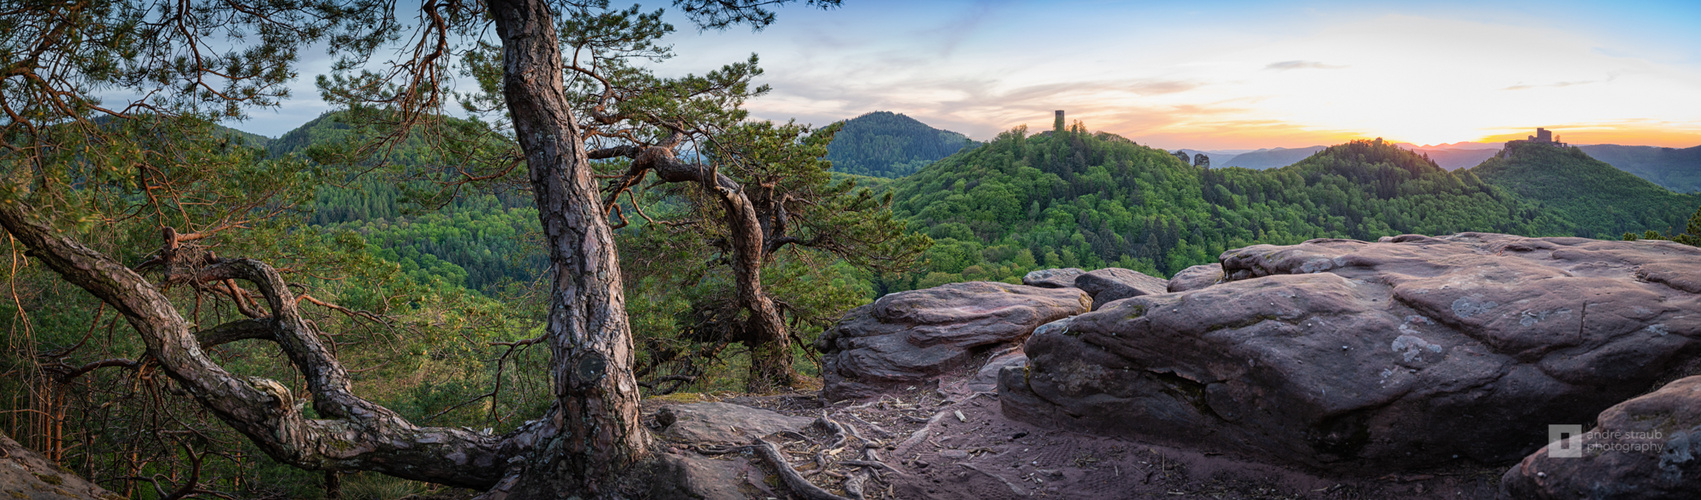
{"x": 1221, "y": 74}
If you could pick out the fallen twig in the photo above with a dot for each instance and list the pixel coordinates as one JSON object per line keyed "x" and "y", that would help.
{"x": 875, "y": 463}
{"x": 920, "y": 434}
{"x": 883, "y": 433}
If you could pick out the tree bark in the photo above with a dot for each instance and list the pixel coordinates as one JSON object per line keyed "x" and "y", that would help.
{"x": 765, "y": 332}
{"x": 595, "y": 435}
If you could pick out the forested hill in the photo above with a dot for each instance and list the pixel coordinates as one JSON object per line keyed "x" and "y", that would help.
{"x": 886, "y": 144}
{"x": 1089, "y": 200}
{"x": 1677, "y": 169}
{"x": 473, "y": 241}
{"x": 325, "y": 127}
{"x": 1593, "y": 198}
{"x": 1269, "y": 158}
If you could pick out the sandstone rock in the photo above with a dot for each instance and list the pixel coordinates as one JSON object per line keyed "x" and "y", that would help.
{"x": 26, "y": 475}
{"x": 1396, "y": 354}
{"x": 724, "y": 423}
{"x": 1114, "y": 283}
{"x": 1196, "y": 277}
{"x": 1053, "y": 278}
{"x": 688, "y": 476}
{"x": 910, "y": 338}
{"x": 986, "y": 379}
{"x": 1644, "y": 448}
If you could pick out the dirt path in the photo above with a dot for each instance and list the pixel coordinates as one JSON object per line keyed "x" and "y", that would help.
{"x": 934, "y": 452}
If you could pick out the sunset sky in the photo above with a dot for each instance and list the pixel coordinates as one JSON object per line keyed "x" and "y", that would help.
{"x": 1226, "y": 74}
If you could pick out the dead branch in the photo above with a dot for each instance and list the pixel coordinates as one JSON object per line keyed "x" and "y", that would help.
{"x": 366, "y": 315}
{"x": 883, "y": 433}
{"x": 66, "y": 373}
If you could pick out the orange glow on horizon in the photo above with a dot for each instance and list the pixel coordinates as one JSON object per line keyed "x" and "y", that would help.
{"x": 1297, "y": 138}
{"x": 1627, "y": 137}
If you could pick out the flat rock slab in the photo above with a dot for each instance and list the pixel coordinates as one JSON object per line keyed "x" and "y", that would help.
{"x": 1053, "y": 278}
{"x": 1196, "y": 277}
{"x": 1115, "y": 283}
{"x": 695, "y": 477}
{"x": 1407, "y": 352}
{"x": 724, "y": 423}
{"x": 1646, "y": 448}
{"x": 908, "y": 339}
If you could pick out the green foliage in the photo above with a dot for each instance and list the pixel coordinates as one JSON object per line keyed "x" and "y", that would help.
{"x": 1691, "y": 234}
{"x": 886, "y": 144}
{"x": 1671, "y": 168}
{"x": 1080, "y": 199}
{"x": 116, "y": 189}
{"x": 827, "y": 237}
{"x": 1591, "y": 198}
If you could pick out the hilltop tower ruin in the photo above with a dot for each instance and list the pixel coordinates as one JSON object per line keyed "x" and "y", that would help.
{"x": 1543, "y": 136}
{"x": 1059, "y": 124}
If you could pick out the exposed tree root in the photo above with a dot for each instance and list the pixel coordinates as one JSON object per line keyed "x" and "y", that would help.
{"x": 789, "y": 475}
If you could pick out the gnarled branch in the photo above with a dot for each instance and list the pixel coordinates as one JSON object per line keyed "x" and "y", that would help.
{"x": 354, "y": 435}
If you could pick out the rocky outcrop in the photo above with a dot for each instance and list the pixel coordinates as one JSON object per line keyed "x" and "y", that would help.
{"x": 723, "y": 423}
{"x": 910, "y": 338}
{"x": 1407, "y": 352}
{"x": 1053, "y": 278}
{"x": 1645, "y": 448}
{"x": 1111, "y": 284}
{"x": 26, "y": 475}
{"x": 1196, "y": 277}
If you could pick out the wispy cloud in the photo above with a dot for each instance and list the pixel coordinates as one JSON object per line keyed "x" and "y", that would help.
{"x": 1523, "y": 86}
{"x": 1287, "y": 65}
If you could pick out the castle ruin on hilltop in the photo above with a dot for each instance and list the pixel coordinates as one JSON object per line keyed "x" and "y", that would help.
{"x": 1543, "y": 136}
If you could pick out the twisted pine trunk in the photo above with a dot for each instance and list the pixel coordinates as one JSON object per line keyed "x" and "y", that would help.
{"x": 598, "y": 436}
{"x": 764, "y": 332}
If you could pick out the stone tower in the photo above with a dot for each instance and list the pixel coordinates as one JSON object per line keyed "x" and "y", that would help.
{"x": 1059, "y": 124}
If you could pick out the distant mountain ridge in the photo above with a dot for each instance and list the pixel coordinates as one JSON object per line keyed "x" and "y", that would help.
{"x": 1676, "y": 169}
{"x": 1264, "y": 159}
{"x": 887, "y": 144}
{"x": 892, "y": 145}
